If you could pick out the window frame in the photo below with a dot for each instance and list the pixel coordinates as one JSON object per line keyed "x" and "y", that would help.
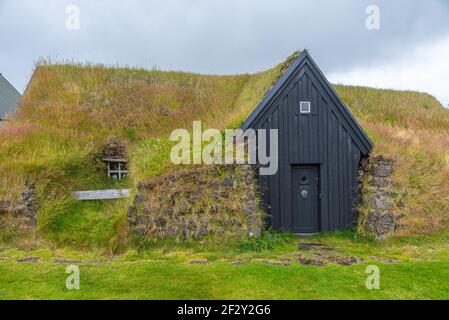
{"x": 302, "y": 111}
{"x": 118, "y": 173}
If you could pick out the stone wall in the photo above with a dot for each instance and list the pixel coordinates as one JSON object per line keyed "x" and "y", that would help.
{"x": 205, "y": 202}
{"x": 25, "y": 208}
{"x": 379, "y": 212}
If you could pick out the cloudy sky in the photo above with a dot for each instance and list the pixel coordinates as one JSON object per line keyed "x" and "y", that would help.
{"x": 409, "y": 50}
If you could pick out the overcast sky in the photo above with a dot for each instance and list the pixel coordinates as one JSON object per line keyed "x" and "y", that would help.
{"x": 410, "y": 50}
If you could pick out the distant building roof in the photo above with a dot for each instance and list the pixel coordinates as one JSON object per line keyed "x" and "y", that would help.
{"x": 9, "y": 97}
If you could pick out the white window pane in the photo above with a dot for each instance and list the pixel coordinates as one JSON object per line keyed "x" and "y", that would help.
{"x": 304, "y": 107}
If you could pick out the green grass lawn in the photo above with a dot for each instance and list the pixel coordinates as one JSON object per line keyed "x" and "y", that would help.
{"x": 420, "y": 272}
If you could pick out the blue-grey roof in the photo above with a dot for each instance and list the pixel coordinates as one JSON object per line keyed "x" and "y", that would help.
{"x": 9, "y": 97}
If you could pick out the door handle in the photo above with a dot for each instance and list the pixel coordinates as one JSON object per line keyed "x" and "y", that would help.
{"x": 304, "y": 194}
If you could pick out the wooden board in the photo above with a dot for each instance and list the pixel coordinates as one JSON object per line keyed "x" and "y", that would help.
{"x": 101, "y": 194}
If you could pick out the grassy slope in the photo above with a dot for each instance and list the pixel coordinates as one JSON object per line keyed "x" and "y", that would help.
{"x": 413, "y": 129}
{"x": 69, "y": 110}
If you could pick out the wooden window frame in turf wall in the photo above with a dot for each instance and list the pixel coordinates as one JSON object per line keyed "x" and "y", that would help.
{"x": 117, "y": 168}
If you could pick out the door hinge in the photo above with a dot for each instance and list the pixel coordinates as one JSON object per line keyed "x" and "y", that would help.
{"x": 321, "y": 196}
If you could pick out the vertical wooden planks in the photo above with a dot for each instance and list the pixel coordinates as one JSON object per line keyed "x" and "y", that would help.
{"x": 274, "y": 180}
{"x": 321, "y": 138}
{"x": 323, "y": 141}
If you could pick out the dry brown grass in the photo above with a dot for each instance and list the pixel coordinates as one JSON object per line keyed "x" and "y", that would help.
{"x": 69, "y": 111}
{"x": 413, "y": 129}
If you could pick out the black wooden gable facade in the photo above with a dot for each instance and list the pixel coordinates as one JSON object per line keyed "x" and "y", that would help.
{"x": 320, "y": 147}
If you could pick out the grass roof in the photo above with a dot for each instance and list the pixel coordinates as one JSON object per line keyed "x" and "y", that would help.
{"x": 69, "y": 110}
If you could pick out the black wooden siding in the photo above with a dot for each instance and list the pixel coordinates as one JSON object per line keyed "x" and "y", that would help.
{"x": 327, "y": 137}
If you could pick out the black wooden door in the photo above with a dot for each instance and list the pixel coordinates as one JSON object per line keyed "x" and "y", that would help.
{"x": 305, "y": 198}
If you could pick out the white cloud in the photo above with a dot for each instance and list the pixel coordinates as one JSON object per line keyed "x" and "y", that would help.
{"x": 220, "y": 37}
{"x": 425, "y": 68}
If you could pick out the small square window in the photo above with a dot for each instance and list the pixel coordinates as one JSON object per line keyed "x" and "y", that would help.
{"x": 117, "y": 167}
{"x": 304, "y": 107}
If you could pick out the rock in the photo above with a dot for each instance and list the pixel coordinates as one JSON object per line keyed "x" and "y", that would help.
{"x": 309, "y": 246}
{"x": 201, "y": 232}
{"x": 140, "y": 230}
{"x": 383, "y": 170}
{"x": 132, "y": 211}
{"x": 63, "y": 261}
{"x": 322, "y": 259}
{"x": 29, "y": 259}
{"x": 380, "y": 223}
{"x": 228, "y": 182}
{"x": 364, "y": 164}
{"x": 28, "y": 194}
{"x": 382, "y": 203}
{"x": 250, "y": 209}
{"x": 327, "y": 250}
{"x": 138, "y": 199}
{"x": 347, "y": 261}
{"x": 26, "y": 208}
{"x": 385, "y": 260}
{"x": 311, "y": 261}
{"x": 100, "y": 262}
{"x": 199, "y": 261}
{"x": 161, "y": 222}
{"x": 238, "y": 263}
{"x": 254, "y": 220}
{"x": 381, "y": 182}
